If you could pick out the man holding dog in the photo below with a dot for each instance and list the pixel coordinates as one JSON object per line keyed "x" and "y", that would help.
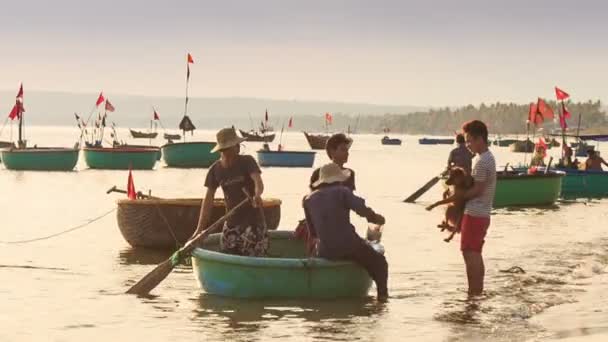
{"x": 476, "y": 219}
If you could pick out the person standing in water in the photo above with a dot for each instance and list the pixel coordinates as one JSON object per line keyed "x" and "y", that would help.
{"x": 461, "y": 156}
{"x": 476, "y": 219}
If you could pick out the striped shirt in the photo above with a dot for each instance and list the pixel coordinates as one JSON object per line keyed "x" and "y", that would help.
{"x": 484, "y": 170}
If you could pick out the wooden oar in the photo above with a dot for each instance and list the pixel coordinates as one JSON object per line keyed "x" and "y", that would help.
{"x": 413, "y": 197}
{"x": 158, "y": 274}
{"x": 548, "y": 165}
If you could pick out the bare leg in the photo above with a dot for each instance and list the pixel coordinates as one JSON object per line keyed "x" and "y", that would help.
{"x": 475, "y": 271}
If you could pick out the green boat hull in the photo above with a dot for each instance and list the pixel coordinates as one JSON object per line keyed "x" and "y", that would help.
{"x": 579, "y": 184}
{"x": 121, "y": 158}
{"x": 40, "y": 159}
{"x": 287, "y": 274}
{"x": 514, "y": 189}
{"x": 189, "y": 154}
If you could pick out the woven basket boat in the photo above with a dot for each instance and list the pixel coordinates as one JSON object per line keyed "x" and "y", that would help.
{"x": 162, "y": 223}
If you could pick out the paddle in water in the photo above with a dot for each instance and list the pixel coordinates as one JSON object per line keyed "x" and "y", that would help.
{"x": 158, "y": 274}
{"x": 426, "y": 187}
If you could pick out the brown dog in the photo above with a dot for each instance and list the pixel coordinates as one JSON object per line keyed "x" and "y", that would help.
{"x": 461, "y": 182}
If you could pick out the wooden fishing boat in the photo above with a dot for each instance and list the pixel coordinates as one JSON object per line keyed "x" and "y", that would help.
{"x": 286, "y": 158}
{"x": 522, "y": 146}
{"x": 255, "y": 136}
{"x": 287, "y": 273}
{"x": 142, "y": 135}
{"x": 388, "y": 141}
{"x": 40, "y": 158}
{"x": 521, "y": 189}
{"x": 154, "y": 222}
{"x": 121, "y": 157}
{"x": 189, "y": 154}
{"x": 316, "y": 141}
{"x": 432, "y": 141}
{"x": 504, "y": 142}
{"x": 172, "y": 136}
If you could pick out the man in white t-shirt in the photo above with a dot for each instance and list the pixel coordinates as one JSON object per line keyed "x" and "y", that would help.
{"x": 476, "y": 219}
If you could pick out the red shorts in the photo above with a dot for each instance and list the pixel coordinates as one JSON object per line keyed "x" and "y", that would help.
{"x": 473, "y": 232}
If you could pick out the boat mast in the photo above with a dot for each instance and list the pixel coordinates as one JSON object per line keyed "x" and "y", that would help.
{"x": 21, "y": 142}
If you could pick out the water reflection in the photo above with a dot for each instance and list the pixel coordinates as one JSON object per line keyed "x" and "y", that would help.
{"x": 241, "y": 319}
{"x": 143, "y": 256}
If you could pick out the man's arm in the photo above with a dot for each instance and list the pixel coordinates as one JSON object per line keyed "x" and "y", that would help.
{"x": 259, "y": 188}
{"x": 357, "y": 204}
{"x": 476, "y": 190}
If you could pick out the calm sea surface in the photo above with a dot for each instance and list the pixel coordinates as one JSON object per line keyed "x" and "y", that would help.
{"x": 70, "y": 287}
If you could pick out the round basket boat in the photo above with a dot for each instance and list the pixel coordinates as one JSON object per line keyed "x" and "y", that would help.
{"x": 286, "y": 273}
{"x": 159, "y": 223}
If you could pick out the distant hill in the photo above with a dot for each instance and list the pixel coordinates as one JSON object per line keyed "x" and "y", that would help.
{"x": 57, "y": 108}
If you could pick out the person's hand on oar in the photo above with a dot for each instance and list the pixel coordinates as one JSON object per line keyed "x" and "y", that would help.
{"x": 158, "y": 274}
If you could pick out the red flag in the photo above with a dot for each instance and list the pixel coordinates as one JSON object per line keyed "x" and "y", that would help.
{"x": 15, "y": 112}
{"x": 560, "y": 94}
{"x": 100, "y": 99}
{"x": 532, "y": 113}
{"x": 20, "y": 93}
{"x": 544, "y": 109}
{"x": 328, "y": 118}
{"x": 156, "y": 117}
{"x": 131, "y": 187}
{"x": 190, "y": 59}
{"x": 565, "y": 112}
{"x": 290, "y": 124}
{"x": 109, "y": 106}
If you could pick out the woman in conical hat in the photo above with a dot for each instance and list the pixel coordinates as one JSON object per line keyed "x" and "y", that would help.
{"x": 243, "y": 233}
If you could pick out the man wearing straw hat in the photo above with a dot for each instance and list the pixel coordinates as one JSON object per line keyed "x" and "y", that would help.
{"x": 327, "y": 213}
{"x": 242, "y": 233}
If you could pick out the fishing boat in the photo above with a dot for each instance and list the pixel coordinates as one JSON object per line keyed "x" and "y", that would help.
{"x": 584, "y": 184}
{"x": 255, "y": 136}
{"x": 121, "y": 157}
{"x": 158, "y": 222}
{"x": 286, "y": 273}
{"x": 522, "y": 146}
{"x": 316, "y": 141}
{"x": 172, "y": 136}
{"x": 388, "y": 141}
{"x": 143, "y": 135}
{"x": 504, "y": 142}
{"x": 21, "y": 157}
{"x": 195, "y": 154}
{"x": 286, "y": 158}
{"x": 515, "y": 188}
{"x": 432, "y": 141}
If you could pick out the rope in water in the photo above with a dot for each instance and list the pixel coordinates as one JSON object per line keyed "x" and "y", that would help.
{"x": 80, "y": 226}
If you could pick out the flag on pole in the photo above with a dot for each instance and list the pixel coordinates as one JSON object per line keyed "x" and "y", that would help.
{"x": 156, "y": 117}
{"x": 131, "y": 187}
{"x": 190, "y": 60}
{"x": 565, "y": 111}
{"x": 15, "y": 112}
{"x": 560, "y": 94}
{"x": 290, "y": 124}
{"x": 20, "y": 93}
{"x": 109, "y": 107}
{"x": 100, "y": 99}
{"x": 266, "y": 116}
{"x": 328, "y": 118}
{"x": 532, "y": 114}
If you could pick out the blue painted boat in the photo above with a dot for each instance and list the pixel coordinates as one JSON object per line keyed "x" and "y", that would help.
{"x": 288, "y": 273}
{"x": 286, "y": 158}
{"x": 388, "y": 141}
{"x": 431, "y": 141}
{"x": 584, "y": 184}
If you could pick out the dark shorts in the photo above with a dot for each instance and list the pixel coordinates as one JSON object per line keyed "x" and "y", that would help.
{"x": 473, "y": 232}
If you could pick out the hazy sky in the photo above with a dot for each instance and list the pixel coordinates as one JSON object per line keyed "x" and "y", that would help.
{"x": 390, "y": 52}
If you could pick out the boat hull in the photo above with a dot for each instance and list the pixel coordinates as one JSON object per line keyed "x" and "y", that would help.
{"x": 158, "y": 223}
{"x": 286, "y": 158}
{"x": 389, "y": 141}
{"x": 40, "y": 159}
{"x": 121, "y": 158}
{"x": 525, "y": 146}
{"x": 316, "y": 141}
{"x": 142, "y": 135}
{"x": 257, "y": 137}
{"x": 291, "y": 275}
{"x": 579, "y": 184}
{"x": 427, "y": 141}
{"x": 520, "y": 189}
{"x": 189, "y": 154}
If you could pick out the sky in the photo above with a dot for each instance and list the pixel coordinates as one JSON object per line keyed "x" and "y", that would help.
{"x": 426, "y": 53}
